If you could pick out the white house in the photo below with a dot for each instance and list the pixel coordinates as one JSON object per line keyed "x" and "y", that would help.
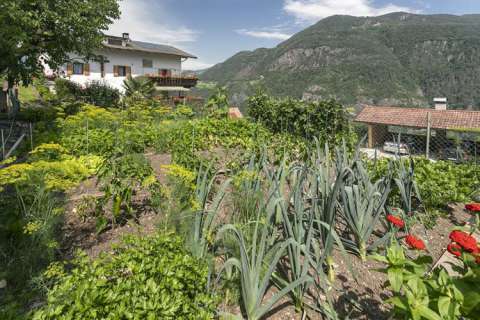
{"x": 121, "y": 57}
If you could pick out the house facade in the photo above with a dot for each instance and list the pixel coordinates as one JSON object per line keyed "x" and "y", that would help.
{"x": 121, "y": 57}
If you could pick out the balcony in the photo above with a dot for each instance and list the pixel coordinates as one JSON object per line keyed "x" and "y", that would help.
{"x": 171, "y": 80}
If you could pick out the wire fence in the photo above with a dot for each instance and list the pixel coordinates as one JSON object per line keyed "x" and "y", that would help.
{"x": 456, "y": 145}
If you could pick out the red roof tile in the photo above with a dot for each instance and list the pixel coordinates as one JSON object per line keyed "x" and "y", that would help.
{"x": 417, "y": 117}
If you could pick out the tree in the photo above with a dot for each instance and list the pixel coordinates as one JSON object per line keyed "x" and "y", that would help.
{"x": 34, "y": 32}
{"x": 139, "y": 87}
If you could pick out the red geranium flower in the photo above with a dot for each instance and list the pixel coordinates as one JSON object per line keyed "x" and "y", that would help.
{"x": 466, "y": 241}
{"x": 454, "y": 249}
{"x": 415, "y": 243}
{"x": 473, "y": 207}
{"x": 396, "y": 221}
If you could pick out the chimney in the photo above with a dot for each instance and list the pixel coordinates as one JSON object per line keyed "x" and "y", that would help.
{"x": 125, "y": 38}
{"x": 440, "y": 103}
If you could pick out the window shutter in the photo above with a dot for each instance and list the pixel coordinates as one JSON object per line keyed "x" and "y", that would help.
{"x": 115, "y": 71}
{"x": 128, "y": 71}
{"x": 86, "y": 69}
{"x": 69, "y": 69}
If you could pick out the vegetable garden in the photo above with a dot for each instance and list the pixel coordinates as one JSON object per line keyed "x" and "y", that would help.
{"x": 191, "y": 215}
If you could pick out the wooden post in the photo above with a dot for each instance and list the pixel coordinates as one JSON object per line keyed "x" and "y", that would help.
{"x": 370, "y": 136}
{"x": 3, "y": 146}
{"x": 429, "y": 120}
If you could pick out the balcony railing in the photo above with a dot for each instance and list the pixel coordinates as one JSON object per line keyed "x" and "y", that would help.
{"x": 174, "y": 80}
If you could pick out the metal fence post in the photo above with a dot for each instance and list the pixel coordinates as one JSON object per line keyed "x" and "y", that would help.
{"x": 427, "y": 149}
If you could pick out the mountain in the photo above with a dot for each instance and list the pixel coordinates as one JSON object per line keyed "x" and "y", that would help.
{"x": 394, "y": 59}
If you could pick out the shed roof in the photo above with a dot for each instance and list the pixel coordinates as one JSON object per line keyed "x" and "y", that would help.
{"x": 417, "y": 117}
{"x": 148, "y": 47}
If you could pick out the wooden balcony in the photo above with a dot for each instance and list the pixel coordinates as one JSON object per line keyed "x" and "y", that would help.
{"x": 174, "y": 81}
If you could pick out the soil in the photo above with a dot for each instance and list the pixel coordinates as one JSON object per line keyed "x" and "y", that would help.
{"x": 80, "y": 232}
{"x": 362, "y": 298}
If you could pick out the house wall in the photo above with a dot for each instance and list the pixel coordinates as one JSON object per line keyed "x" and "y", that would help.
{"x": 133, "y": 59}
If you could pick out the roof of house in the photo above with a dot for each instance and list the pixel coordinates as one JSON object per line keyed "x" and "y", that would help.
{"x": 148, "y": 47}
{"x": 417, "y": 117}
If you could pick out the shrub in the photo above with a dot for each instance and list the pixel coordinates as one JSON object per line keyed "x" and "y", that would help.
{"x": 95, "y": 92}
{"x": 326, "y": 120}
{"x": 146, "y": 278}
{"x": 439, "y": 183}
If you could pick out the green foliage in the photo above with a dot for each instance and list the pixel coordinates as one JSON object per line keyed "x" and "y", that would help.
{"x": 139, "y": 87}
{"x": 190, "y": 138}
{"x": 434, "y": 296}
{"x": 326, "y": 120}
{"x": 45, "y": 31}
{"x": 217, "y": 105}
{"x": 57, "y": 175}
{"x": 96, "y": 93}
{"x": 120, "y": 177}
{"x": 439, "y": 183}
{"x": 28, "y": 241}
{"x": 362, "y": 204}
{"x": 147, "y": 278}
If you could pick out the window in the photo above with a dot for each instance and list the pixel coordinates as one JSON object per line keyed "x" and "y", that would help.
{"x": 122, "y": 71}
{"x": 147, "y": 63}
{"x": 78, "y": 68}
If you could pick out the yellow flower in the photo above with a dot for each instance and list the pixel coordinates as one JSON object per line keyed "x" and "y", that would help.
{"x": 31, "y": 228}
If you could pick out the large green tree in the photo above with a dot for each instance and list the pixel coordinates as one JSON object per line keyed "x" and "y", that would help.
{"x": 32, "y": 31}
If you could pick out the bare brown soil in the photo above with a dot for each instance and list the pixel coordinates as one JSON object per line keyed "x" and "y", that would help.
{"x": 360, "y": 296}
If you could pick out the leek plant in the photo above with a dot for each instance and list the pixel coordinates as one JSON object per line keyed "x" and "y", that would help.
{"x": 258, "y": 258}
{"x": 362, "y": 205}
{"x": 407, "y": 187}
{"x": 298, "y": 226}
{"x": 203, "y": 224}
{"x": 247, "y": 190}
{"x": 325, "y": 184}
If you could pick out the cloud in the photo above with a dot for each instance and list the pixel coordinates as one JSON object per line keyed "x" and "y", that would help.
{"x": 194, "y": 64}
{"x": 313, "y": 10}
{"x": 275, "y": 35}
{"x": 148, "y": 20}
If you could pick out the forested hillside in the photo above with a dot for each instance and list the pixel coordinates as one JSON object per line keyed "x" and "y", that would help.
{"x": 398, "y": 58}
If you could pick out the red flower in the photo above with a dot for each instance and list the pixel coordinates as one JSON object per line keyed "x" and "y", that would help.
{"x": 396, "y": 221}
{"x": 473, "y": 207}
{"x": 466, "y": 241}
{"x": 415, "y": 243}
{"x": 454, "y": 249}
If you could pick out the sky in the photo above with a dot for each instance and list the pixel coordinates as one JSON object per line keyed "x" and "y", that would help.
{"x": 214, "y": 30}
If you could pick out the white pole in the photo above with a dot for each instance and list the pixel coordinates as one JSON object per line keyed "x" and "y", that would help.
{"x": 31, "y": 135}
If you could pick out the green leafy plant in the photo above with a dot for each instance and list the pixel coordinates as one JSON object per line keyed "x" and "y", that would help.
{"x": 362, "y": 205}
{"x": 120, "y": 177}
{"x": 146, "y": 277}
{"x": 139, "y": 87}
{"x": 419, "y": 294}
{"x": 254, "y": 258}
{"x": 203, "y": 224}
{"x": 407, "y": 186}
